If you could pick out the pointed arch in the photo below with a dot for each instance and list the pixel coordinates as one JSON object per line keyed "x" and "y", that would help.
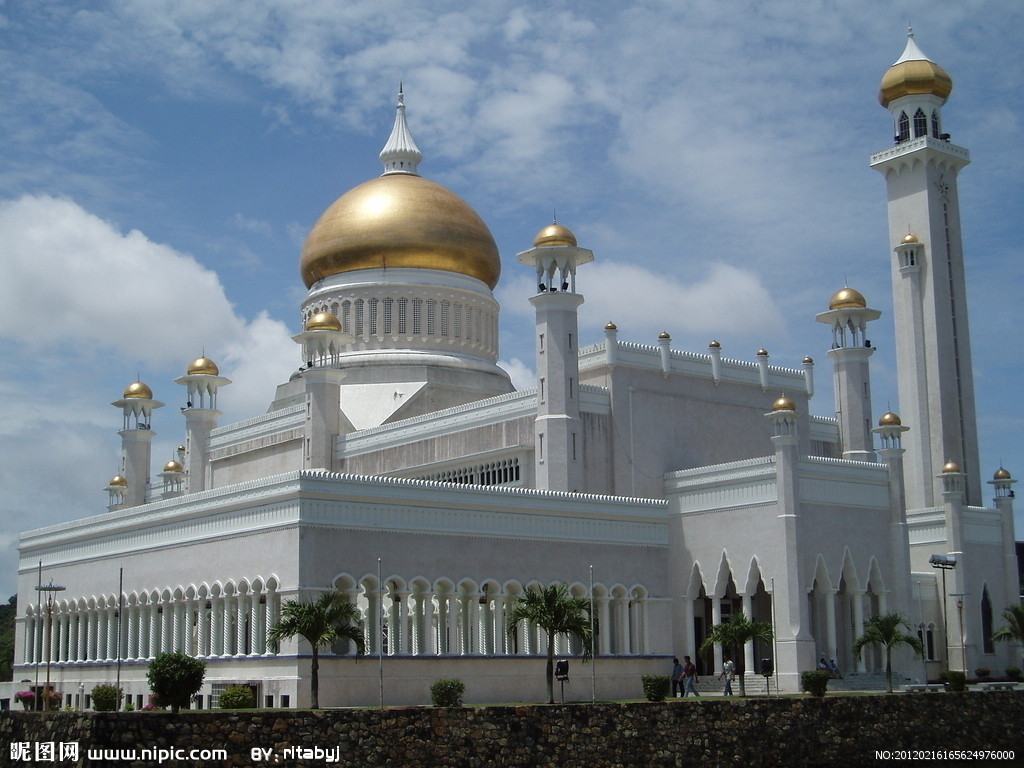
{"x": 987, "y": 645}
{"x": 696, "y": 583}
{"x": 724, "y": 577}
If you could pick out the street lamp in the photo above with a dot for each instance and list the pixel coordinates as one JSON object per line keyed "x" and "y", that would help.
{"x": 49, "y": 589}
{"x": 960, "y": 612}
{"x": 944, "y": 563}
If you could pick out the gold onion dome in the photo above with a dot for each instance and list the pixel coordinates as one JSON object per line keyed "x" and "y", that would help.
{"x": 1001, "y": 474}
{"x": 914, "y": 74}
{"x": 664, "y": 335}
{"x": 847, "y": 298}
{"x": 714, "y": 344}
{"x": 889, "y": 419}
{"x": 908, "y": 238}
{"x": 808, "y": 360}
{"x": 950, "y": 467}
{"x": 204, "y": 366}
{"x": 762, "y": 352}
{"x": 173, "y": 466}
{"x": 610, "y": 326}
{"x": 400, "y": 221}
{"x": 783, "y": 404}
{"x": 323, "y": 321}
{"x": 138, "y": 391}
{"x": 554, "y": 234}
{"x": 119, "y": 481}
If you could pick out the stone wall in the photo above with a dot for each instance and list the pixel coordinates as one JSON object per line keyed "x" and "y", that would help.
{"x": 835, "y": 731}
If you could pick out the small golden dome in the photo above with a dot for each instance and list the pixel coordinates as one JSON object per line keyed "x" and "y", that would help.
{"x": 808, "y": 360}
{"x": 889, "y": 419}
{"x": 554, "y": 234}
{"x": 400, "y": 221}
{"x": 908, "y": 238}
{"x": 181, "y": 449}
{"x": 1001, "y": 474}
{"x": 610, "y": 326}
{"x": 119, "y": 481}
{"x": 914, "y": 77}
{"x": 847, "y": 298}
{"x": 783, "y": 404}
{"x": 203, "y": 365}
{"x": 173, "y": 466}
{"x": 138, "y": 391}
{"x": 762, "y": 353}
{"x": 323, "y": 321}
{"x": 714, "y": 345}
{"x": 950, "y": 467}
{"x": 664, "y": 335}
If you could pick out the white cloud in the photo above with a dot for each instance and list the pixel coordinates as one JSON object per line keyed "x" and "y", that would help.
{"x": 522, "y": 375}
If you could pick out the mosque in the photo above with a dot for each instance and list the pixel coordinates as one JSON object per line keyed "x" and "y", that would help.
{"x": 671, "y": 488}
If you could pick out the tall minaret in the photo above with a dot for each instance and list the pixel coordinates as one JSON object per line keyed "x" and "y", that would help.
{"x": 202, "y": 379}
{"x": 137, "y": 405}
{"x": 558, "y": 437}
{"x": 848, "y": 316}
{"x": 933, "y": 348}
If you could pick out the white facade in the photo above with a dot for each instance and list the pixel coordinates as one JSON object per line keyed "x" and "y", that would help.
{"x": 398, "y": 466}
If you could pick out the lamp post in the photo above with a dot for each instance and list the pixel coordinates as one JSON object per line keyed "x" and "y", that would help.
{"x": 49, "y": 589}
{"x": 945, "y": 563}
{"x": 960, "y": 613}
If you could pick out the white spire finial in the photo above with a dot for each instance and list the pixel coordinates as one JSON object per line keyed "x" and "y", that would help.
{"x": 400, "y": 154}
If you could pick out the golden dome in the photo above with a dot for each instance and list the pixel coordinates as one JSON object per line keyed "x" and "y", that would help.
{"x": 138, "y": 391}
{"x": 664, "y": 335}
{"x": 910, "y": 237}
{"x": 847, "y": 298}
{"x": 399, "y": 221}
{"x": 913, "y": 77}
{"x": 783, "y": 404}
{"x": 203, "y": 365}
{"x": 610, "y": 326}
{"x": 323, "y": 321}
{"x": 950, "y": 467}
{"x": 554, "y": 234}
{"x": 762, "y": 353}
{"x": 808, "y": 360}
{"x": 173, "y": 466}
{"x": 889, "y": 419}
{"x": 714, "y": 344}
{"x": 119, "y": 481}
{"x": 1001, "y": 474}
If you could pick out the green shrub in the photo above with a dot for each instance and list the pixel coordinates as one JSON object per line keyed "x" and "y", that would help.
{"x": 656, "y": 687}
{"x": 1013, "y": 673}
{"x": 447, "y": 693}
{"x": 175, "y": 678}
{"x": 957, "y": 681}
{"x": 105, "y": 698}
{"x": 815, "y": 681}
{"x": 983, "y": 672}
{"x": 237, "y": 697}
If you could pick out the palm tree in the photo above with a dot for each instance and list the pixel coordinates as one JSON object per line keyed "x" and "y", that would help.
{"x": 887, "y": 632}
{"x": 323, "y": 622}
{"x": 733, "y": 634}
{"x": 553, "y": 610}
{"x": 1014, "y": 629}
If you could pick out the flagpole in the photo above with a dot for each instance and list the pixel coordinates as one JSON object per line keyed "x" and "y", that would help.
{"x": 380, "y": 632}
{"x": 593, "y": 638}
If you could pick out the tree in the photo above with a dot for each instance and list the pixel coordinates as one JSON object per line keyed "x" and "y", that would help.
{"x": 733, "y": 634}
{"x": 175, "y": 678}
{"x": 553, "y": 610}
{"x": 1014, "y": 629}
{"x": 887, "y": 633}
{"x": 325, "y": 621}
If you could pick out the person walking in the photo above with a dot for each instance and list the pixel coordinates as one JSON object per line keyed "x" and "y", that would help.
{"x": 677, "y": 678}
{"x": 728, "y": 673}
{"x": 689, "y": 677}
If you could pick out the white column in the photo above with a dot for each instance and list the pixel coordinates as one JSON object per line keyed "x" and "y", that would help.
{"x": 202, "y": 629}
{"x": 254, "y": 628}
{"x": 716, "y": 619}
{"x": 622, "y": 614}
{"x": 91, "y": 633}
{"x": 429, "y": 634}
{"x": 453, "y": 643}
{"x": 166, "y": 626}
{"x": 269, "y": 621}
{"x": 30, "y": 640}
{"x": 217, "y": 629}
{"x": 498, "y": 625}
{"x": 241, "y": 611}
{"x": 113, "y": 621}
{"x": 604, "y": 627}
{"x": 154, "y": 629}
{"x": 81, "y": 645}
{"x": 405, "y": 620}
{"x": 749, "y": 662}
{"x": 830, "y": 622}
{"x": 857, "y": 600}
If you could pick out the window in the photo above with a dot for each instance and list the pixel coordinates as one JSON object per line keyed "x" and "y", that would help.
{"x": 444, "y": 318}
{"x": 986, "y": 623}
{"x": 403, "y": 314}
{"x": 920, "y": 124}
{"x": 346, "y": 317}
{"x": 417, "y": 314}
{"x": 431, "y": 312}
{"x": 903, "y": 127}
{"x": 373, "y": 317}
{"x": 388, "y": 305}
{"x": 935, "y": 123}
{"x": 359, "y": 317}
{"x": 457, "y": 321}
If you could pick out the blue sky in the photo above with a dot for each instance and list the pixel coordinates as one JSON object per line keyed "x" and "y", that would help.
{"x": 163, "y": 161}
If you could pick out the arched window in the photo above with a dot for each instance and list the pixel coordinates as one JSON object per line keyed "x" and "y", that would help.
{"x": 359, "y": 317}
{"x": 986, "y": 623}
{"x": 903, "y": 127}
{"x": 920, "y": 124}
{"x": 935, "y": 123}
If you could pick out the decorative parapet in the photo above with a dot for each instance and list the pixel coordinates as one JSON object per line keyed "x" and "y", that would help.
{"x": 912, "y": 145}
{"x": 265, "y": 425}
{"x": 692, "y": 364}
